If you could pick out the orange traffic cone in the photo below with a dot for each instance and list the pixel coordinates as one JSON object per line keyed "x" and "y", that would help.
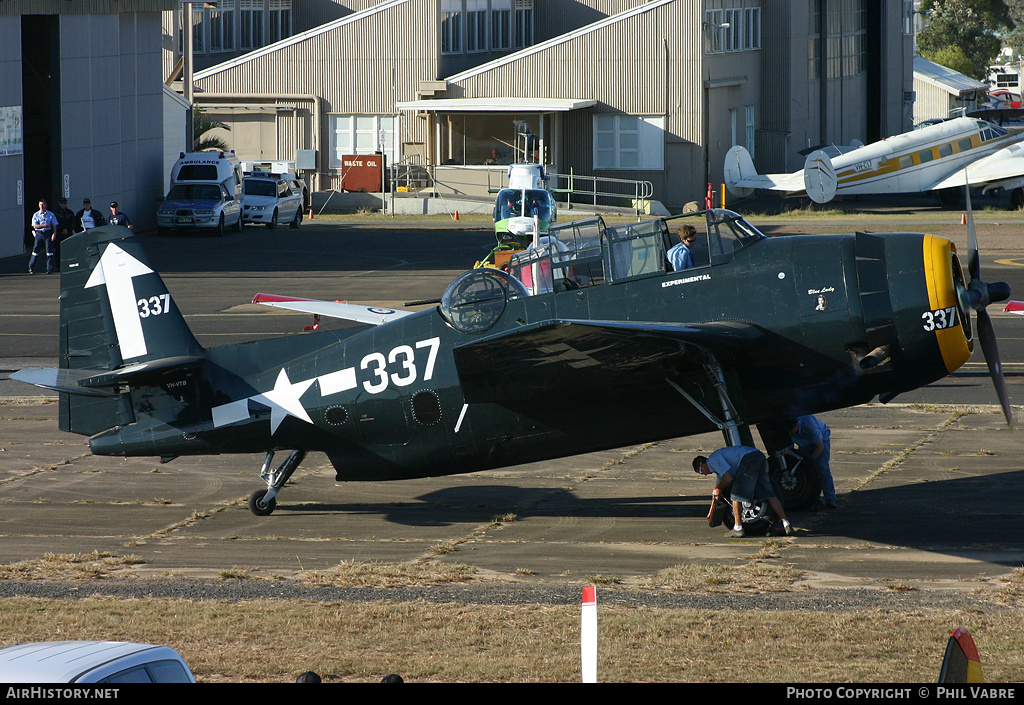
{"x": 456, "y": 215}
{"x": 963, "y": 219}
{"x": 311, "y": 213}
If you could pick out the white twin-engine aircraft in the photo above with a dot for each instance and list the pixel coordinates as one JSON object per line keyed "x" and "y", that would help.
{"x": 945, "y": 155}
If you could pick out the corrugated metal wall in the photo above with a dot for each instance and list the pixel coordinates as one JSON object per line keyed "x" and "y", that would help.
{"x": 361, "y": 67}
{"x": 12, "y": 169}
{"x": 82, "y": 7}
{"x": 649, "y": 64}
{"x": 777, "y": 50}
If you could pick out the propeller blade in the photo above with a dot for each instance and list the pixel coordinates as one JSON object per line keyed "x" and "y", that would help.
{"x": 978, "y": 295}
{"x": 987, "y": 336}
{"x": 973, "y": 263}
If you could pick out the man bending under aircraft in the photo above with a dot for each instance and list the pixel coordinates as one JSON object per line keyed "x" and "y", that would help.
{"x": 680, "y": 256}
{"x": 745, "y": 470}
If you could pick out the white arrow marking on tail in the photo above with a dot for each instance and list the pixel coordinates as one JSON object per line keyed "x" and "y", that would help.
{"x": 116, "y": 269}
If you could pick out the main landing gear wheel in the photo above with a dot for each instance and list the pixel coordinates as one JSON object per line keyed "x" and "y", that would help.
{"x": 263, "y": 502}
{"x": 260, "y": 507}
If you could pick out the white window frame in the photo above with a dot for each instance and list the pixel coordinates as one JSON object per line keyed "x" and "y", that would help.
{"x": 501, "y": 24}
{"x": 751, "y": 28}
{"x": 629, "y": 142}
{"x": 251, "y": 24}
{"x": 732, "y": 36}
{"x": 367, "y": 129}
{"x": 713, "y": 40}
{"x": 522, "y": 24}
{"x": 476, "y": 26}
{"x": 451, "y": 27}
{"x": 751, "y": 130}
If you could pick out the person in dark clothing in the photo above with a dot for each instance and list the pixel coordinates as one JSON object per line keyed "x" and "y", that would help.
{"x": 65, "y": 226}
{"x": 88, "y": 218}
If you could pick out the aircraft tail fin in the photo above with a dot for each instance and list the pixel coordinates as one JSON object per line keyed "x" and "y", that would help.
{"x": 739, "y": 166}
{"x": 118, "y": 323}
{"x": 820, "y": 180}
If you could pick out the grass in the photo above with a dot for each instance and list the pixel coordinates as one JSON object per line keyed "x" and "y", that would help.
{"x": 422, "y": 642}
{"x": 69, "y": 566}
{"x": 426, "y": 642}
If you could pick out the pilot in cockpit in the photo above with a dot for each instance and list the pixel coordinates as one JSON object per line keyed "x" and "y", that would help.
{"x": 680, "y": 255}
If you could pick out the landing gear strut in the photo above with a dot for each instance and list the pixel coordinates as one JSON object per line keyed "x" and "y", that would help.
{"x": 263, "y": 502}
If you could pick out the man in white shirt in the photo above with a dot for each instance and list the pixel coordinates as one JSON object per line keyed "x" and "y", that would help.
{"x": 88, "y": 218}
{"x": 44, "y": 228}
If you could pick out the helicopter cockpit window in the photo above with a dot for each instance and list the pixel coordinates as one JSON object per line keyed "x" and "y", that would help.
{"x": 475, "y": 300}
{"x": 522, "y": 203}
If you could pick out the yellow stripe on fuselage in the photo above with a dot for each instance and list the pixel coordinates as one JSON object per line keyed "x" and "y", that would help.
{"x": 938, "y": 274}
{"x": 890, "y": 164}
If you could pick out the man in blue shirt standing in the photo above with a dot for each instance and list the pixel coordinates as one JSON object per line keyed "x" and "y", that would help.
{"x": 745, "y": 470}
{"x": 44, "y": 229}
{"x": 812, "y": 440}
{"x": 680, "y": 256}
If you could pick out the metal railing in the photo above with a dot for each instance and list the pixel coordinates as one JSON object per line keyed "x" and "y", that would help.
{"x": 639, "y": 192}
{"x": 483, "y": 181}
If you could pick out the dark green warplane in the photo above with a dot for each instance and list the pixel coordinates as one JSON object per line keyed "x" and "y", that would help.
{"x": 588, "y": 342}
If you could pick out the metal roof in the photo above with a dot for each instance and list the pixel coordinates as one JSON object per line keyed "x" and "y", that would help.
{"x": 945, "y": 78}
{"x": 567, "y": 37}
{"x": 297, "y": 38}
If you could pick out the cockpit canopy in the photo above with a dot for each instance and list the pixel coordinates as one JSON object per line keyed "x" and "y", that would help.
{"x": 522, "y": 203}
{"x": 588, "y": 253}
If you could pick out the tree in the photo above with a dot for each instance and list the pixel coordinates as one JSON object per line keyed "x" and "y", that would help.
{"x": 1014, "y": 39}
{"x": 201, "y": 124}
{"x": 964, "y": 31}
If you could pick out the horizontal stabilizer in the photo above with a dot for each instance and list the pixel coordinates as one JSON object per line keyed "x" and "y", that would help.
{"x": 149, "y": 372}
{"x": 335, "y": 309}
{"x": 62, "y": 380}
{"x": 102, "y": 383}
{"x": 741, "y": 178}
{"x": 820, "y": 180}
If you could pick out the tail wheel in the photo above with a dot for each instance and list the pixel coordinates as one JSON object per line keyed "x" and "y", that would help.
{"x": 259, "y": 506}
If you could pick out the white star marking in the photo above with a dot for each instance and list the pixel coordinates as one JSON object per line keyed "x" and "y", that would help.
{"x": 283, "y": 400}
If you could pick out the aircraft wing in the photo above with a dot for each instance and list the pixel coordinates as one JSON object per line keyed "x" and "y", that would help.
{"x": 1007, "y": 163}
{"x": 566, "y": 356}
{"x": 335, "y": 309}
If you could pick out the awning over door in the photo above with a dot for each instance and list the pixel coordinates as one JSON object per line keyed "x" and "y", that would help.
{"x": 491, "y": 105}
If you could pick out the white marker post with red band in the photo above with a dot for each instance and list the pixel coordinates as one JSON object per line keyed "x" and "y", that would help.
{"x": 588, "y": 635}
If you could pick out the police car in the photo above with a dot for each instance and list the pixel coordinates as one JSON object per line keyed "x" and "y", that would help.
{"x": 271, "y": 199}
{"x": 205, "y": 194}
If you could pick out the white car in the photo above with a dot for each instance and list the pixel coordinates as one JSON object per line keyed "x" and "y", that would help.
{"x": 92, "y": 662}
{"x": 271, "y": 199}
